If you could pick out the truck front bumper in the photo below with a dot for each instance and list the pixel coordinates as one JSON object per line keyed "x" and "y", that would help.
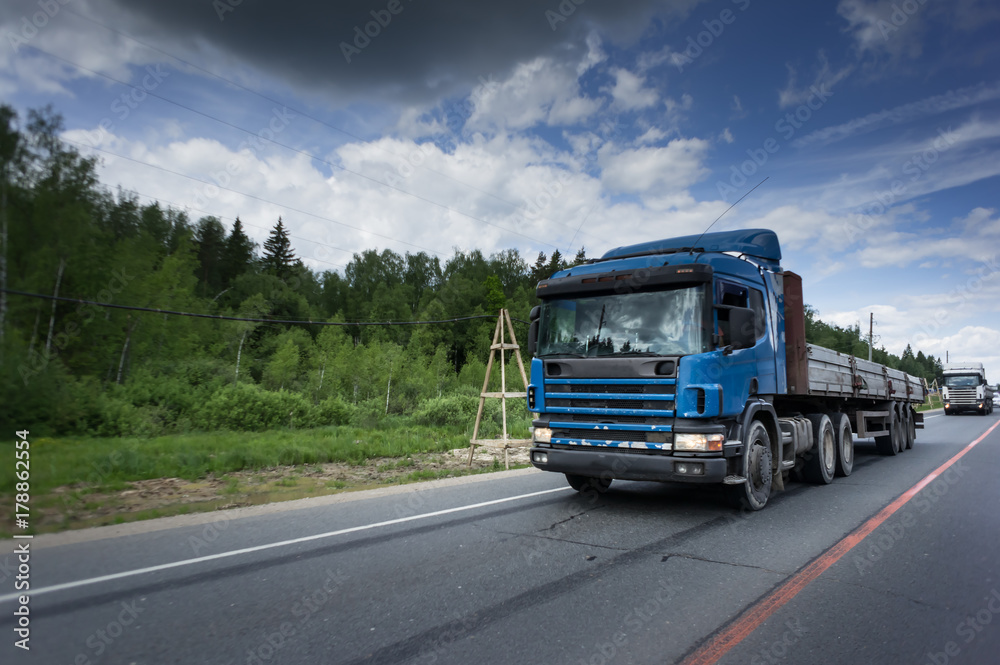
{"x": 630, "y": 466}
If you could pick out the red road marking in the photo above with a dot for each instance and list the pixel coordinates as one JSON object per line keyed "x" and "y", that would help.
{"x": 752, "y": 617}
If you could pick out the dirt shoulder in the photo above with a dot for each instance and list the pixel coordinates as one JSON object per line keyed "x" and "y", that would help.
{"x": 79, "y": 506}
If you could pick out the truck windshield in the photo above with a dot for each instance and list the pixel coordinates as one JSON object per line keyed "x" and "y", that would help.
{"x": 961, "y": 380}
{"x": 661, "y": 323}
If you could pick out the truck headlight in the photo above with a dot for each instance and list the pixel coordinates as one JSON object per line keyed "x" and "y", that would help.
{"x": 698, "y": 443}
{"x": 542, "y": 434}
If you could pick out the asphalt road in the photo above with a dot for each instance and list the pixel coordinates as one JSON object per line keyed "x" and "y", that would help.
{"x": 540, "y": 574}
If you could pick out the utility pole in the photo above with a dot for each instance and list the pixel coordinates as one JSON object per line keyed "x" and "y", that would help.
{"x": 871, "y": 328}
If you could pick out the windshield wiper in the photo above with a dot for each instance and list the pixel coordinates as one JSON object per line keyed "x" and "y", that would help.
{"x": 561, "y": 354}
{"x": 634, "y": 353}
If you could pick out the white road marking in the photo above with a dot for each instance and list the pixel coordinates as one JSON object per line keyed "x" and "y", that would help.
{"x": 258, "y": 548}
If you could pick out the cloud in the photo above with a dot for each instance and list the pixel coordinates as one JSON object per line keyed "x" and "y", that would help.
{"x": 913, "y": 111}
{"x": 628, "y": 92}
{"x": 881, "y": 27}
{"x": 824, "y": 80}
{"x": 393, "y": 51}
{"x": 654, "y": 170}
{"x": 540, "y": 91}
{"x": 974, "y": 243}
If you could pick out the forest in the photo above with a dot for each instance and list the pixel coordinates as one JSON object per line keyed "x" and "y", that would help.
{"x": 70, "y": 368}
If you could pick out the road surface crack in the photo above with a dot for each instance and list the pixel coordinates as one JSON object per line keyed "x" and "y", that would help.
{"x": 666, "y": 557}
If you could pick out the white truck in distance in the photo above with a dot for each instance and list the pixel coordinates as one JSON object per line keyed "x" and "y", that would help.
{"x": 965, "y": 389}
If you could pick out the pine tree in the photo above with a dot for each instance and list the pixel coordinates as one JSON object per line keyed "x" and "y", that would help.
{"x": 278, "y": 255}
{"x": 556, "y": 263}
{"x": 539, "y": 271}
{"x": 238, "y": 254}
{"x": 581, "y": 257}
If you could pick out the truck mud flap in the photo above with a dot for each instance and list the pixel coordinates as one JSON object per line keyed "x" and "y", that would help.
{"x": 918, "y": 419}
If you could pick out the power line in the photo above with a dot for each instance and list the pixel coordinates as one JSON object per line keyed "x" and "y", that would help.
{"x": 250, "y": 196}
{"x": 275, "y": 101}
{"x": 256, "y": 226}
{"x": 286, "y": 146}
{"x": 220, "y": 317}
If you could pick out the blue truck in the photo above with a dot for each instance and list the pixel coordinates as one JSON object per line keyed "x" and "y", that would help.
{"x": 685, "y": 360}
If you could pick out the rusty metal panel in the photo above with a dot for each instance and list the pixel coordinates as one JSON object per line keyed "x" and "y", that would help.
{"x": 796, "y": 354}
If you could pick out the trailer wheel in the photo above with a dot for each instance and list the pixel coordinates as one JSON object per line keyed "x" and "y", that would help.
{"x": 909, "y": 428}
{"x": 845, "y": 444}
{"x": 585, "y": 483}
{"x": 754, "y": 493}
{"x": 821, "y": 461}
{"x": 889, "y": 444}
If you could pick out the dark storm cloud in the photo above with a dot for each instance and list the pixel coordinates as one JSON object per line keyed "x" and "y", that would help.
{"x": 408, "y": 50}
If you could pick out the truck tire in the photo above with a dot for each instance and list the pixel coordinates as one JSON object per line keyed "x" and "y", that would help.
{"x": 821, "y": 461}
{"x": 889, "y": 444}
{"x": 754, "y": 493}
{"x": 910, "y": 428}
{"x": 844, "y": 438}
{"x": 584, "y": 484}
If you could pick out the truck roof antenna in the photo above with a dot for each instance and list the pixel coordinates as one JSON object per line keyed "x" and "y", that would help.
{"x": 695, "y": 243}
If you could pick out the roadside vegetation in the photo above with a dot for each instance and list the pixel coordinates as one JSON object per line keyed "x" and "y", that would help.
{"x": 113, "y": 397}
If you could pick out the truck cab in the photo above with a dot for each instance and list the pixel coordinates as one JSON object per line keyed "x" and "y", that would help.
{"x": 654, "y": 351}
{"x": 965, "y": 389}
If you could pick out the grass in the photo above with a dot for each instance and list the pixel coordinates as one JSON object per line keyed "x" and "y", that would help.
{"x": 109, "y": 464}
{"x": 71, "y": 476}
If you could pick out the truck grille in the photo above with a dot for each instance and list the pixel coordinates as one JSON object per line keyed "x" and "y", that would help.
{"x": 963, "y": 396}
{"x": 612, "y": 435}
{"x": 645, "y": 389}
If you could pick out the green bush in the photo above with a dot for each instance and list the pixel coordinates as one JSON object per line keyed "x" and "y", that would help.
{"x": 453, "y": 410}
{"x": 334, "y": 411}
{"x": 248, "y": 407}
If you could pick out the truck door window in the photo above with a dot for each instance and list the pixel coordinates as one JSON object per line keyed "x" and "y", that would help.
{"x": 728, "y": 294}
{"x": 760, "y": 314}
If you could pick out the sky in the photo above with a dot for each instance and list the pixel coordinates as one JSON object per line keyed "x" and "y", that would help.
{"x": 543, "y": 125}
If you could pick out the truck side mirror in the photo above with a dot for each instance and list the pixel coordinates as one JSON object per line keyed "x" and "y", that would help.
{"x": 533, "y": 330}
{"x": 742, "y": 327}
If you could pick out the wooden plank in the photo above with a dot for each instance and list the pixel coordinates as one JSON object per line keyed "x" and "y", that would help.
{"x": 796, "y": 355}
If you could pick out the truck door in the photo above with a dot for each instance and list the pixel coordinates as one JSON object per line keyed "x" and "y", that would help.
{"x": 742, "y": 365}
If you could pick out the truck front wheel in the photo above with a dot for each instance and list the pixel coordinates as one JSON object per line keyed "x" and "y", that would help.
{"x": 754, "y": 493}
